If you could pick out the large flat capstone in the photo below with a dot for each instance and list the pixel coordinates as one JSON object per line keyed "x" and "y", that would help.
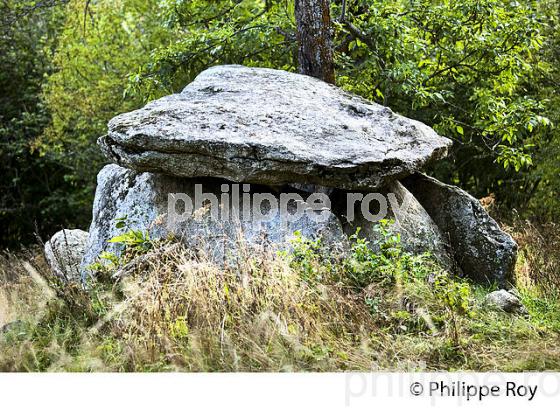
{"x": 271, "y": 127}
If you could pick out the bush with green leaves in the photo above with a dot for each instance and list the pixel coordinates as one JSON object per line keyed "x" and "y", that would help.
{"x": 132, "y": 243}
{"x": 364, "y": 265}
{"x": 384, "y": 272}
{"x": 35, "y": 196}
{"x": 95, "y": 54}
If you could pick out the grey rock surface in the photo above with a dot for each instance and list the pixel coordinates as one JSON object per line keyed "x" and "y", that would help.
{"x": 506, "y": 301}
{"x": 271, "y": 127}
{"x": 419, "y": 234}
{"x": 12, "y": 326}
{"x": 64, "y": 252}
{"x": 143, "y": 199}
{"x": 484, "y": 252}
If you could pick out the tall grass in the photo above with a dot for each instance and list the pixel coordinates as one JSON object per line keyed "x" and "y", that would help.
{"x": 539, "y": 256}
{"x": 173, "y": 309}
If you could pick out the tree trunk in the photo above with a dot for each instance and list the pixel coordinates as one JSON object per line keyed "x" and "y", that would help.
{"x": 315, "y": 54}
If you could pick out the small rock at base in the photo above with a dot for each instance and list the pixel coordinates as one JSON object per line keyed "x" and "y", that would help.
{"x": 64, "y": 252}
{"x": 506, "y": 301}
{"x": 8, "y": 327}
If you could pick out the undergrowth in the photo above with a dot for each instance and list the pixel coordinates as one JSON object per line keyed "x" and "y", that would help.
{"x": 162, "y": 307}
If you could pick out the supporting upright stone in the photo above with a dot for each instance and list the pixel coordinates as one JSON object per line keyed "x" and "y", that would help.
{"x": 484, "y": 252}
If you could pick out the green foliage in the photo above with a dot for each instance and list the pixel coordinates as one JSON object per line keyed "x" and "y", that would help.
{"x": 461, "y": 67}
{"x": 538, "y": 187}
{"x": 95, "y": 54}
{"x": 64, "y": 75}
{"x": 133, "y": 242}
{"x": 455, "y": 294}
{"x": 31, "y": 186}
{"x": 388, "y": 268}
{"x": 362, "y": 265}
{"x": 133, "y": 239}
{"x": 365, "y": 266}
{"x": 307, "y": 256}
{"x": 249, "y": 32}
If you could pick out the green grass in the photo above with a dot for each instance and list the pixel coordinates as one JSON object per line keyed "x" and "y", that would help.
{"x": 307, "y": 310}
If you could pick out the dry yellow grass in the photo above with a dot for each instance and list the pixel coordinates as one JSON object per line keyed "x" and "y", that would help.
{"x": 177, "y": 311}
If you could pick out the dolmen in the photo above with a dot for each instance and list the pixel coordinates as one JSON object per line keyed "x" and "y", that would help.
{"x": 253, "y": 155}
